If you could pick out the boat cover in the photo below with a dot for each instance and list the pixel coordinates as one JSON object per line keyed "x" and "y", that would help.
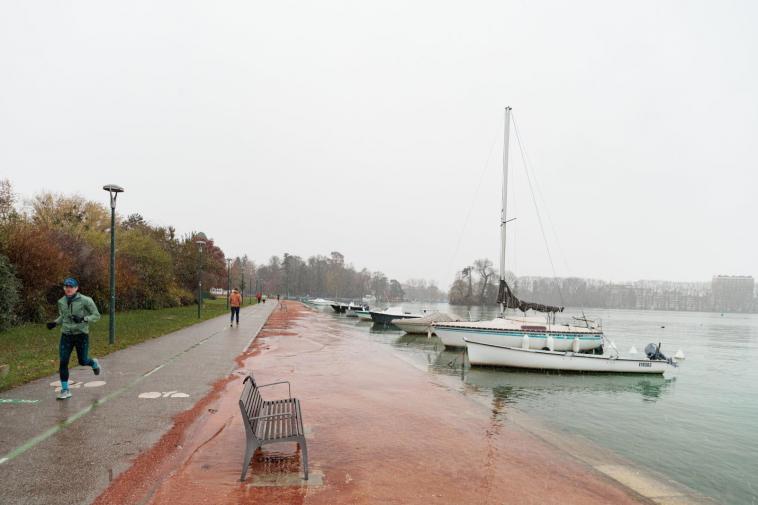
{"x": 505, "y": 295}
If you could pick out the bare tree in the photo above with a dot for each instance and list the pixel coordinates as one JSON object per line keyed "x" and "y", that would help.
{"x": 466, "y": 274}
{"x": 484, "y": 268}
{"x": 7, "y": 200}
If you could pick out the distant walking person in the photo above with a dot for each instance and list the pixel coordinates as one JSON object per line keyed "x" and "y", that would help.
{"x": 263, "y": 298}
{"x": 258, "y": 296}
{"x": 75, "y": 312}
{"x": 235, "y": 300}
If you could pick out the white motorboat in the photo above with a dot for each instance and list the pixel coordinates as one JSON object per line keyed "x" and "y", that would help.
{"x": 363, "y": 315}
{"x": 319, "y": 301}
{"x": 343, "y": 308}
{"x": 353, "y": 309}
{"x": 388, "y": 315}
{"x": 486, "y": 354}
{"x": 421, "y": 325}
{"x": 538, "y": 333}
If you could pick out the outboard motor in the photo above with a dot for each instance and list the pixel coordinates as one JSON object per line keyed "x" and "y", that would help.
{"x": 654, "y": 352}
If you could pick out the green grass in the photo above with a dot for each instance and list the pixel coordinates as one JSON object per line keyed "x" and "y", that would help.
{"x": 32, "y": 351}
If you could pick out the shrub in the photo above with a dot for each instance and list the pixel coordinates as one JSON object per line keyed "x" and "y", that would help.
{"x": 41, "y": 265}
{"x": 181, "y": 296}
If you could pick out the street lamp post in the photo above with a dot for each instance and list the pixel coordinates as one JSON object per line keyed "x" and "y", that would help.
{"x": 242, "y": 279}
{"x": 200, "y": 240}
{"x": 228, "y": 281}
{"x": 113, "y": 190}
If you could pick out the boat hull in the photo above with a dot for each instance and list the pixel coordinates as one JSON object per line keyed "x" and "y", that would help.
{"x": 381, "y": 318}
{"x": 410, "y": 326}
{"x": 561, "y": 341}
{"x": 483, "y": 354}
{"x": 349, "y": 308}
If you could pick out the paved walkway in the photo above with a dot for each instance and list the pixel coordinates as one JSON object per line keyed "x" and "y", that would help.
{"x": 67, "y": 452}
{"x": 379, "y": 432}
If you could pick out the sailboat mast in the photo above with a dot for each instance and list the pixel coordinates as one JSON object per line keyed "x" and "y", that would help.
{"x": 506, "y": 137}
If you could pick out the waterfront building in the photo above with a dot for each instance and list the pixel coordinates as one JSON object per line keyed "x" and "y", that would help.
{"x": 733, "y": 293}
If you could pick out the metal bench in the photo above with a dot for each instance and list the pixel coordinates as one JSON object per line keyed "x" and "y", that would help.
{"x": 268, "y": 422}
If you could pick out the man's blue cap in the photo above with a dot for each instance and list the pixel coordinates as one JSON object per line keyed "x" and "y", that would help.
{"x": 70, "y": 281}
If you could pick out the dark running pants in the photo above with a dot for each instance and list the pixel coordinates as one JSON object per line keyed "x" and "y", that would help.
{"x": 236, "y": 312}
{"x": 79, "y": 341}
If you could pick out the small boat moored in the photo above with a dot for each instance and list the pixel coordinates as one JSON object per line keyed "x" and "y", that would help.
{"x": 388, "y": 315}
{"x": 318, "y": 302}
{"x": 421, "y": 325}
{"x": 487, "y": 354}
{"x": 344, "y": 308}
{"x": 510, "y": 332}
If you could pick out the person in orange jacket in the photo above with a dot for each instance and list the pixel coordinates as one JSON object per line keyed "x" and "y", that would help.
{"x": 235, "y": 300}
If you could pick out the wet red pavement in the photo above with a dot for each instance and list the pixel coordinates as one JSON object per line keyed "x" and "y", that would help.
{"x": 380, "y": 432}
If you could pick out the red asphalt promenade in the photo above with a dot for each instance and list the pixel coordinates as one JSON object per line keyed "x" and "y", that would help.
{"x": 379, "y": 431}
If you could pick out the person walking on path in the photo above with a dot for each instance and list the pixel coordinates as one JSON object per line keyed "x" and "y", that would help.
{"x": 75, "y": 312}
{"x": 235, "y": 300}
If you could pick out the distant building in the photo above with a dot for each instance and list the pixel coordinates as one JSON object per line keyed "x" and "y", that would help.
{"x": 732, "y": 293}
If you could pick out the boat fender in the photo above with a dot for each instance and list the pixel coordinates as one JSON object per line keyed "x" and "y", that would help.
{"x": 550, "y": 343}
{"x": 429, "y": 331}
{"x": 525, "y": 342}
{"x": 679, "y": 355}
{"x": 575, "y": 344}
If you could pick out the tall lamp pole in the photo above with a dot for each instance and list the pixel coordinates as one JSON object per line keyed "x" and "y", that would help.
{"x": 200, "y": 240}
{"x": 113, "y": 190}
{"x": 242, "y": 279}
{"x": 228, "y": 281}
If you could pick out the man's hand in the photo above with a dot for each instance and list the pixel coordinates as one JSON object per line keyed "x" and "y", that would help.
{"x": 77, "y": 319}
{"x": 51, "y": 325}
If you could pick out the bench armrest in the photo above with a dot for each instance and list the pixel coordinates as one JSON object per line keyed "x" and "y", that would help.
{"x": 289, "y": 387}
{"x": 269, "y": 416}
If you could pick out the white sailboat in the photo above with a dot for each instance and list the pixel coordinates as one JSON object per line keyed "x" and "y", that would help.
{"x": 522, "y": 342}
{"x": 536, "y": 332}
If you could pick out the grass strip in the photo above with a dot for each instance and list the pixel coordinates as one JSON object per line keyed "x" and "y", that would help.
{"x": 31, "y": 350}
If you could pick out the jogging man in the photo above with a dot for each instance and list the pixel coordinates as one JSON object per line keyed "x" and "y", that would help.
{"x": 235, "y": 300}
{"x": 75, "y": 312}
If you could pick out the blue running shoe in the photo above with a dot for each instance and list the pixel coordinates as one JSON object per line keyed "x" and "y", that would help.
{"x": 96, "y": 367}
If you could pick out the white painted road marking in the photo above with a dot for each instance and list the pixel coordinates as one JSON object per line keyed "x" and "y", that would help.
{"x": 150, "y": 395}
{"x": 77, "y": 385}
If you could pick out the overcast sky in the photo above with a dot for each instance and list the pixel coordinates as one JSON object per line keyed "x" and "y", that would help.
{"x": 375, "y": 128}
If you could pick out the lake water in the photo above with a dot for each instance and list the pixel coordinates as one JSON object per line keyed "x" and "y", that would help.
{"x": 699, "y": 427}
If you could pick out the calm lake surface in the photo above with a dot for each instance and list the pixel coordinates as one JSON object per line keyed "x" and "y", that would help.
{"x": 699, "y": 427}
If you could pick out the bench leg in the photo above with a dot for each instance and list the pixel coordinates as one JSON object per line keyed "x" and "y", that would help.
{"x": 249, "y": 451}
{"x": 304, "y": 449}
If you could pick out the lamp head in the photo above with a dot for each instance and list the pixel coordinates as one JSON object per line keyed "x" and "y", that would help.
{"x": 114, "y": 190}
